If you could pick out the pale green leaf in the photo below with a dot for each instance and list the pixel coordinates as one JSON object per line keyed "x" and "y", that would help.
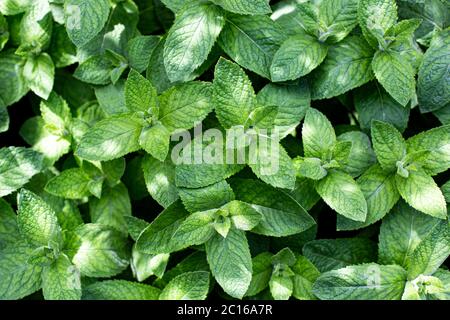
{"x": 140, "y": 95}
{"x": 361, "y": 155}
{"x": 187, "y": 286}
{"x": 61, "y": 280}
{"x": 140, "y": 50}
{"x": 251, "y": 7}
{"x": 12, "y": 85}
{"x": 389, "y": 145}
{"x": 155, "y": 140}
{"x": 262, "y": 270}
{"x": 317, "y": 133}
{"x": 338, "y": 17}
{"x": 210, "y": 197}
{"x": 305, "y": 274}
{"x": 70, "y": 184}
{"x": 120, "y": 290}
{"x": 39, "y": 74}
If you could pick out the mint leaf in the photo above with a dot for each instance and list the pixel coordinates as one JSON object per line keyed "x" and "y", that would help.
{"x": 334, "y": 254}
{"x": 389, "y": 145}
{"x": 140, "y": 49}
{"x": 395, "y": 74}
{"x": 361, "y": 155}
{"x": 9, "y": 231}
{"x": 251, "y": 41}
{"x": 13, "y": 85}
{"x": 318, "y": 134}
{"x": 155, "y": 140}
{"x": 230, "y": 262}
{"x": 85, "y": 19}
{"x": 262, "y": 270}
{"x": 363, "y": 282}
{"x": 17, "y": 167}
{"x": 160, "y": 180}
{"x": 210, "y": 197}
{"x": 187, "y": 286}
{"x": 120, "y": 290}
{"x": 305, "y": 274}
{"x": 99, "y": 251}
{"x": 39, "y": 74}
{"x": 70, "y": 184}
{"x": 338, "y": 17}
{"x": 297, "y": 56}
{"x": 251, "y": 7}
{"x": 421, "y": 192}
{"x": 401, "y": 232}
{"x": 36, "y": 220}
{"x": 343, "y": 194}
{"x": 347, "y": 66}
{"x": 61, "y": 280}
{"x": 111, "y": 138}
{"x": 190, "y": 39}
{"x": 140, "y": 95}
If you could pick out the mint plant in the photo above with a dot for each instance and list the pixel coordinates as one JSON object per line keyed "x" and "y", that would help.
{"x": 232, "y": 149}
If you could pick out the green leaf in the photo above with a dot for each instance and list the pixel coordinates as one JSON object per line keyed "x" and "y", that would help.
{"x": 445, "y": 188}
{"x": 292, "y": 101}
{"x": 100, "y": 251}
{"x": 400, "y": 234}
{"x": 9, "y": 231}
{"x": 243, "y": 215}
{"x": 305, "y": 274}
{"x": 195, "y": 230}
{"x": 12, "y": 85}
{"x": 250, "y": 7}
{"x": 380, "y": 192}
{"x": 56, "y": 114}
{"x": 187, "y": 286}
{"x": 111, "y": 98}
{"x": 84, "y": 19}
{"x": 347, "y": 66}
{"x": 140, "y": 95}
{"x": 62, "y": 50}
{"x": 4, "y": 120}
{"x": 421, "y": 192}
{"x": 120, "y": 290}
{"x": 19, "y": 278}
{"x": 35, "y": 28}
{"x": 334, "y": 254}
{"x": 389, "y": 145}
{"x": 281, "y": 214}
{"x": 160, "y": 180}
{"x": 272, "y": 164}
{"x": 210, "y": 197}
{"x": 281, "y": 287}
{"x": 361, "y": 155}
{"x": 338, "y": 18}
{"x": 111, "y": 138}
{"x": 437, "y": 142}
{"x": 375, "y": 18}
{"x": 433, "y": 81}
{"x": 230, "y": 262}
{"x": 13, "y": 7}
{"x": 39, "y": 74}
{"x": 372, "y": 102}
{"x": 183, "y": 106}
{"x": 191, "y": 38}
{"x": 431, "y": 252}
{"x": 395, "y": 74}
{"x": 70, "y": 184}
{"x": 140, "y": 50}
{"x": 362, "y": 282}
{"x": 155, "y": 140}
{"x": 262, "y": 270}
{"x": 145, "y": 265}
{"x": 112, "y": 208}
{"x": 343, "y": 195}
{"x": 251, "y": 41}
{"x": 61, "y": 280}
{"x": 297, "y": 56}
{"x": 233, "y": 95}
{"x": 317, "y": 133}
{"x": 95, "y": 70}
{"x": 17, "y": 167}
{"x": 310, "y": 168}
{"x": 36, "y": 220}
{"x": 156, "y": 237}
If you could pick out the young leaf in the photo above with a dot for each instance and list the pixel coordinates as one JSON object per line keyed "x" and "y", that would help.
{"x": 347, "y": 66}
{"x": 281, "y": 287}
{"x": 338, "y": 17}
{"x": 155, "y": 140}
{"x": 39, "y": 73}
{"x": 95, "y": 70}
{"x": 140, "y": 50}
{"x": 120, "y": 290}
{"x": 262, "y": 270}
{"x": 421, "y": 192}
{"x": 17, "y": 166}
{"x": 191, "y": 38}
{"x": 395, "y": 74}
{"x": 362, "y": 282}
{"x": 361, "y": 155}
{"x": 343, "y": 194}
{"x": 317, "y": 133}
{"x": 233, "y": 96}
{"x": 305, "y": 274}
{"x": 36, "y": 220}
{"x": 297, "y": 56}
{"x": 210, "y": 197}
{"x": 85, "y": 19}
{"x": 230, "y": 262}
{"x": 334, "y": 254}
{"x": 187, "y": 286}
{"x": 111, "y": 138}
{"x": 61, "y": 280}
{"x": 140, "y": 95}
{"x": 389, "y": 145}
{"x": 243, "y": 216}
